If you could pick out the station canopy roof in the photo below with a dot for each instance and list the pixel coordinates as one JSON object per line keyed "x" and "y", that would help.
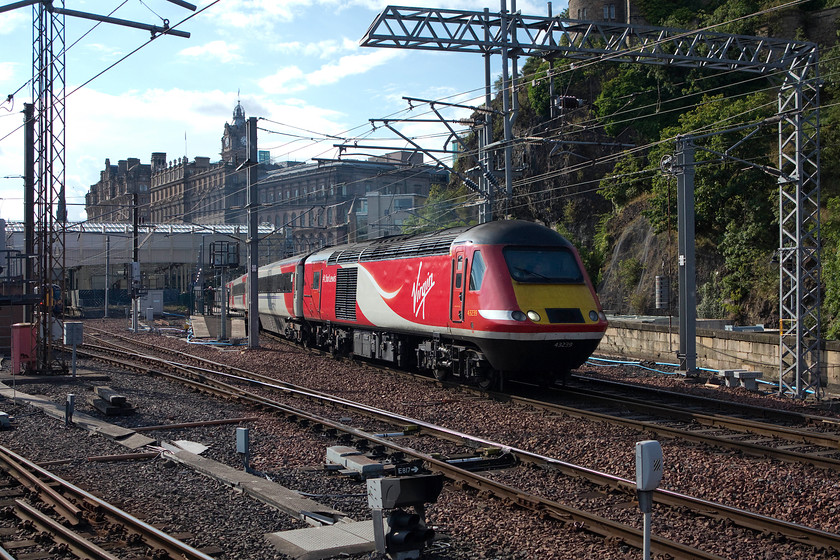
{"x": 168, "y": 229}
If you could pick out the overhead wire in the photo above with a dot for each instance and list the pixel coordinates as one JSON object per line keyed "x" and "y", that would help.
{"x": 481, "y": 89}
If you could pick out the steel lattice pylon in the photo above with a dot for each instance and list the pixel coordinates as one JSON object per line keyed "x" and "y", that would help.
{"x": 48, "y": 92}
{"x": 799, "y": 244}
{"x": 792, "y": 63}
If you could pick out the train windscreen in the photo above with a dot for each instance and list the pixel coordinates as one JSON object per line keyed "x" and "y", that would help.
{"x": 543, "y": 265}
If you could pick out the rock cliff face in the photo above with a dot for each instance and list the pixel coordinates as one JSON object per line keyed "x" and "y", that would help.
{"x": 818, "y": 26}
{"x": 639, "y": 255}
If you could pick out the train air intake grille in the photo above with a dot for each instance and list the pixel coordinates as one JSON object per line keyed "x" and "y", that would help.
{"x": 345, "y": 294}
{"x": 564, "y": 315}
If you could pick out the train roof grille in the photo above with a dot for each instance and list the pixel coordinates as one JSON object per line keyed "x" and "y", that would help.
{"x": 345, "y": 256}
{"x": 409, "y": 248}
{"x": 396, "y": 248}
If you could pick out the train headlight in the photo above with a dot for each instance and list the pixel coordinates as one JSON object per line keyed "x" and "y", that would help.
{"x": 593, "y": 315}
{"x": 518, "y": 316}
{"x": 534, "y": 316}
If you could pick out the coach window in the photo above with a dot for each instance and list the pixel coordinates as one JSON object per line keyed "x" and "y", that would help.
{"x": 460, "y": 270}
{"x": 477, "y": 272}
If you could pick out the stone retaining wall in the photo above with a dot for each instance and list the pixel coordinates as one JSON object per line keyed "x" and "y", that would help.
{"x": 716, "y": 349}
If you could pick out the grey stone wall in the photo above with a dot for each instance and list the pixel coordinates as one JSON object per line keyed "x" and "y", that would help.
{"x": 716, "y": 349}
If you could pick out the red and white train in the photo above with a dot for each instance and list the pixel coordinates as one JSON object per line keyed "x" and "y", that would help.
{"x": 507, "y": 297}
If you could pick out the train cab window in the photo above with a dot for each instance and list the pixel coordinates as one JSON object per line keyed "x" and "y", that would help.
{"x": 477, "y": 272}
{"x": 543, "y": 265}
{"x": 316, "y": 280}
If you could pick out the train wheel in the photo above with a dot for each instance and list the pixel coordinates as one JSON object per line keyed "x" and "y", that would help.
{"x": 564, "y": 376}
{"x": 546, "y": 380}
{"x": 490, "y": 380}
{"x": 441, "y": 373}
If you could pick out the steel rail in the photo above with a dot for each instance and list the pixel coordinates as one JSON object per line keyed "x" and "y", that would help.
{"x": 20, "y": 471}
{"x": 720, "y": 421}
{"x": 80, "y": 546}
{"x": 688, "y": 435}
{"x": 706, "y": 439}
{"x": 755, "y": 427}
{"x": 794, "y": 531}
{"x": 776, "y": 413}
{"x": 152, "y": 537}
{"x": 596, "y": 524}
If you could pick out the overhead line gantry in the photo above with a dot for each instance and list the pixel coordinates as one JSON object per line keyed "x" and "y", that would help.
{"x": 793, "y": 64}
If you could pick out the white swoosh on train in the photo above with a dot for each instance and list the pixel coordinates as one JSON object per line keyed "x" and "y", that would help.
{"x": 383, "y": 293}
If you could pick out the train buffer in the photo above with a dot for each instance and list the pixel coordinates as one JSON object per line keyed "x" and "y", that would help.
{"x": 741, "y": 378}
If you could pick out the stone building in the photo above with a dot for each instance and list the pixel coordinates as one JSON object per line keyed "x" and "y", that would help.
{"x": 309, "y": 205}
{"x": 177, "y": 191}
{"x": 201, "y": 192}
{"x": 196, "y": 192}
{"x": 111, "y": 199}
{"x": 619, "y": 11}
{"x": 328, "y": 202}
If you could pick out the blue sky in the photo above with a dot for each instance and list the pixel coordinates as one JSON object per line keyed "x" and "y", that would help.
{"x": 295, "y": 62}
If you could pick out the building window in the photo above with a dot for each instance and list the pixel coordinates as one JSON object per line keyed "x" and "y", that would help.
{"x": 612, "y": 11}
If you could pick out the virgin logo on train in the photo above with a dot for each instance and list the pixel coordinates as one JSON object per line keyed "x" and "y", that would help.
{"x": 420, "y": 291}
{"x": 328, "y": 278}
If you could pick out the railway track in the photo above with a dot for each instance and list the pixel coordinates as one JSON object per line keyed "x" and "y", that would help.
{"x": 717, "y": 430}
{"x": 785, "y": 436}
{"x": 206, "y": 378}
{"x": 673, "y": 415}
{"x": 55, "y": 519}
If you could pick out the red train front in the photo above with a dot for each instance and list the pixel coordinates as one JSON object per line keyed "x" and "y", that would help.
{"x": 507, "y": 296}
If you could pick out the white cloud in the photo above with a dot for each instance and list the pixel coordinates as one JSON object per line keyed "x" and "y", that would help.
{"x": 321, "y": 49}
{"x": 7, "y": 71}
{"x": 12, "y": 21}
{"x": 220, "y": 51}
{"x": 286, "y": 80}
{"x": 260, "y": 15}
{"x": 106, "y": 50}
{"x": 350, "y": 65}
{"x": 292, "y": 79}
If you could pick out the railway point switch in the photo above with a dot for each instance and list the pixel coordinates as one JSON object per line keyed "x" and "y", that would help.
{"x": 355, "y": 463}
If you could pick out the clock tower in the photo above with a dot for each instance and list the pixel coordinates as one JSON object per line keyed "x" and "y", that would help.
{"x": 233, "y": 139}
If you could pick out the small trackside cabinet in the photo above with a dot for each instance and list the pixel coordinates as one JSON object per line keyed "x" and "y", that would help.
{"x": 23, "y": 346}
